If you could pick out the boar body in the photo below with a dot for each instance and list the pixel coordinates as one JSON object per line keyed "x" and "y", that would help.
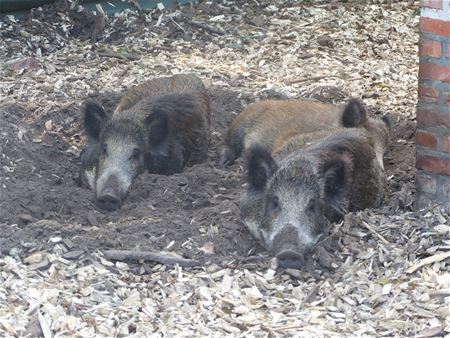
{"x": 269, "y": 122}
{"x": 161, "y": 86}
{"x": 310, "y": 181}
{"x": 161, "y": 129}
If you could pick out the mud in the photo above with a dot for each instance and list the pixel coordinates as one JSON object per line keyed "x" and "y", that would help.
{"x": 191, "y": 213}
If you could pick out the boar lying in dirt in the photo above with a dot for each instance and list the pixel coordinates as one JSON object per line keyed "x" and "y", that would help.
{"x": 161, "y": 125}
{"x": 266, "y": 121}
{"x": 303, "y": 182}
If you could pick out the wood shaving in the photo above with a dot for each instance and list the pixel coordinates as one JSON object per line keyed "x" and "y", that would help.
{"x": 384, "y": 278}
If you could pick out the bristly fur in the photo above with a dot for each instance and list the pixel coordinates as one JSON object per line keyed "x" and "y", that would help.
{"x": 157, "y": 124}
{"x": 175, "y": 103}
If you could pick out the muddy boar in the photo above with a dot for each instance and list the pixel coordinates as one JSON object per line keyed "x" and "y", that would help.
{"x": 311, "y": 180}
{"x": 160, "y": 127}
{"x": 266, "y": 121}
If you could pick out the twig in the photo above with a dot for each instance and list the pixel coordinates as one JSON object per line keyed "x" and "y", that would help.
{"x": 312, "y": 294}
{"x": 439, "y": 293}
{"x": 111, "y": 54}
{"x": 255, "y": 258}
{"x": 171, "y": 32}
{"x": 74, "y": 78}
{"x": 372, "y": 230}
{"x": 166, "y": 48}
{"x": 306, "y": 56}
{"x": 429, "y": 260}
{"x": 121, "y": 255}
{"x": 206, "y": 27}
{"x": 313, "y": 78}
{"x": 177, "y": 24}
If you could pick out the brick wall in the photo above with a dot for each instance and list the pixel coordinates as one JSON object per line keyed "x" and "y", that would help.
{"x": 433, "y": 107}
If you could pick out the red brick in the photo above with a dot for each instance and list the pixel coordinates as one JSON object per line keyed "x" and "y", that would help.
{"x": 436, "y": 26}
{"x": 436, "y": 4}
{"x": 433, "y": 164}
{"x": 429, "y": 118}
{"x": 434, "y": 72}
{"x": 428, "y": 94}
{"x": 426, "y": 183}
{"x": 425, "y": 139}
{"x": 430, "y": 48}
{"x": 446, "y": 144}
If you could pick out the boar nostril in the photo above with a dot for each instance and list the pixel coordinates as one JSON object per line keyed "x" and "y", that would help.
{"x": 290, "y": 259}
{"x": 109, "y": 202}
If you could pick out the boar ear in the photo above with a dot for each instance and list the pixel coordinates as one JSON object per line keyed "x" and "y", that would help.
{"x": 335, "y": 175}
{"x": 157, "y": 124}
{"x": 387, "y": 120}
{"x": 354, "y": 114}
{"x": 260, "y": 166}
{"x": 95, "y": 118}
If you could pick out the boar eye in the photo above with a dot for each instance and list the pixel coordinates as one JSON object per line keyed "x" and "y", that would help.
{"x": 104, "y": 149}
{"x": 273, "y": 205}
{"x": 136, "y": 154}
{"x": 312, "y": 206}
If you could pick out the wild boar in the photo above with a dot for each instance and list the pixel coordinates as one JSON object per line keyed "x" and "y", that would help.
{"x": 265, "y": 122}
{"x": 309, "y": 182}
{"x": 162, "y": 129}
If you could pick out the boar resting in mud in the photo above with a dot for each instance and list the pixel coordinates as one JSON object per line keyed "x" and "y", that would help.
{"x": 266, "y": 122}
{"x": 309, "y": 182}
{"x": 162, "y": 126}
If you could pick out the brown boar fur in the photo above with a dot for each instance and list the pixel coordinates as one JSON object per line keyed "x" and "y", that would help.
{"x": 161, "y": 86}
{"x": 291, "y": 141}
{"x": 183, "y": 98}
{"x": 165, "y": 126}
{"x": 364, "y": 144}
{"x": 186, "y": 120}
{"x": 266, "y": 122}
{"x": 375, "y": 132}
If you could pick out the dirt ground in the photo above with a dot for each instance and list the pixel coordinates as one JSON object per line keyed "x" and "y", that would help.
{"x": 193, "y": 213}
{"x": 378, "y": 273}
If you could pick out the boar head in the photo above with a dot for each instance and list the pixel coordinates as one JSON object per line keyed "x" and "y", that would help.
{"x": 118, "y": 150}
{"x": 289, "y": 207}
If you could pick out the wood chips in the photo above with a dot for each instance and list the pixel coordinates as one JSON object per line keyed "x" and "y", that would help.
{"x": 394, "y": 277}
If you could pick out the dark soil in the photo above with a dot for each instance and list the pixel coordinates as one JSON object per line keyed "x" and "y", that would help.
{"x": 40, "y": 199}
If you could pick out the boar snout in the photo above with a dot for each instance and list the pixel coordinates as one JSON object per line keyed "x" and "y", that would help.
{"x": 287, "y": 248}
{"x": 111, "y": 196}
{"x": 288, "y": 258}
{"x": 109, "y": 201}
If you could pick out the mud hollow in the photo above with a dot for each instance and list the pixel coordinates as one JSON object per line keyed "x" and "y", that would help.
{"x": 193, "y": 213}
